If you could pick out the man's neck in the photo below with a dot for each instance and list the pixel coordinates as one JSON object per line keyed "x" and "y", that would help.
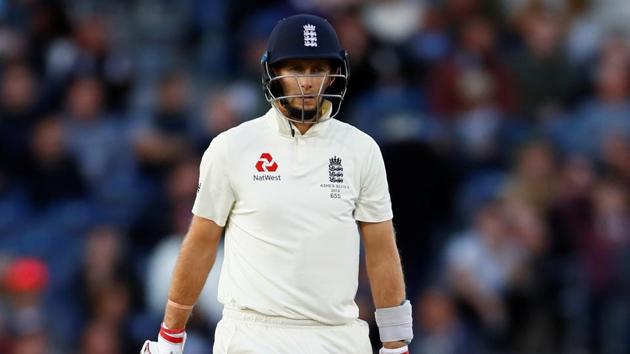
{"x": 302, "y": 127}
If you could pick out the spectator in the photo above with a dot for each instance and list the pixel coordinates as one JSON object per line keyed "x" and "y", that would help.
{"x": 604, "y": 247}
{"x": 106, "y": 288}
{"x": 475, "y": 53}
{"x": 166, "y": 213}
{"x": 101, "y": 146}
{"x": 26, "y": 280}
{"x": 439, "y": 329}
{"x": 544, "y": 75}
{"x": 89, "y": 52}
{"x": 99, "y": 338}
{"x": 605, "y": 114}
{"x": 481, "y": 264}
{"x": 534, "y": 180}
{"x": 166, "y": 136}
{"x": 221, "y": 112}
{"x": 477, "y": 125}
{"x": 354, "y": 36}
{"x": 534, "y": 317}
{"x": 616, "y": 157}
{"x": 51, "y": 174}
{"x": 18, "y": 113}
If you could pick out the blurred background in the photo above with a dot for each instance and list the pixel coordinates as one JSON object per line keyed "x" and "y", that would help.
{"x": 505, "y": 127}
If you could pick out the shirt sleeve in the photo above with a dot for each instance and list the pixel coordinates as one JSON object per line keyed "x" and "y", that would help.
{"x": 215, "y": 196}
{"x": 373, "y": 203}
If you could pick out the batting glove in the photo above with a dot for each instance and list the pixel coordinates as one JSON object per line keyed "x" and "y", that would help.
{"x": 170, "y": 341}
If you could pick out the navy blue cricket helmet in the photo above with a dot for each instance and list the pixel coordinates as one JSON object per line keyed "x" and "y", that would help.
{"x": 305, "y": 37}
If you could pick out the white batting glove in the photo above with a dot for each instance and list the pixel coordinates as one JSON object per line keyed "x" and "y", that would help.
{"x": 401, "y": 350}
{"x": 169, "y": 342}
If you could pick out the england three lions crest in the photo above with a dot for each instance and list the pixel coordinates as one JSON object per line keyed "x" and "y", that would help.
{"x": 335, "y": 170}
{"x": 310, "y": 36}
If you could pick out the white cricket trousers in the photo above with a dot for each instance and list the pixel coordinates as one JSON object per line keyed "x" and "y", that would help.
{"x": 247, "y": 332}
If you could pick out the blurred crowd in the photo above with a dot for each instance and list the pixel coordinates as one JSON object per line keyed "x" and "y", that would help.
{"x": 505, "y": 127}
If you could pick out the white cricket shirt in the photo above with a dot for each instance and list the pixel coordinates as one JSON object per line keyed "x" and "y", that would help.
{"x": 290, "y": 206}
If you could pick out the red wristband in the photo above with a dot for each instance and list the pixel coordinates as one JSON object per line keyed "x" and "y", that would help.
{"x": 175, "y": 336}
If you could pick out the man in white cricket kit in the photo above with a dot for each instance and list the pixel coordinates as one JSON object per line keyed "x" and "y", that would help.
{"x": 295, "y": 191}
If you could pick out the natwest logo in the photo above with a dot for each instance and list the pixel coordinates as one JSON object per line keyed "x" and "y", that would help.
{"x": 266, "y": 163}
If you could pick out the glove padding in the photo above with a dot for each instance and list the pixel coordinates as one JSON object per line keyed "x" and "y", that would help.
{"x": 169, "y": 342}
{"x": 401, "y": 350}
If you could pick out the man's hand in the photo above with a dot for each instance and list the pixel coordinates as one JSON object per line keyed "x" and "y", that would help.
{"x": 169, "y": 342}
{"x": 155, "y": 348}
{"x": 394, "y": 345}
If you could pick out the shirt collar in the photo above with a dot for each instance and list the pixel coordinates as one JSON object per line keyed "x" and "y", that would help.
{"x": 283, "y": 126}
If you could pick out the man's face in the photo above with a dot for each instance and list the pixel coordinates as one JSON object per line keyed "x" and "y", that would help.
{"x": 308, "y": 78}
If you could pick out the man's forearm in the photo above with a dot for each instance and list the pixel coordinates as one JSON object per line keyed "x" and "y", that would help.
{"x": 386, "y": 280}
{"x": 195, "y": 260}
{"x": 384, "y": 269}
{"x": 386, "y": 276}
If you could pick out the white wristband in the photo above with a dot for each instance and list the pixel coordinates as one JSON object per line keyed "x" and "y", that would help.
{"x": 401, "y": 350}
{"x": 395, "y": 323}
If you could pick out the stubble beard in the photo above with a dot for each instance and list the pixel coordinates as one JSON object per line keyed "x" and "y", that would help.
{"x": 308, "y": 115}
